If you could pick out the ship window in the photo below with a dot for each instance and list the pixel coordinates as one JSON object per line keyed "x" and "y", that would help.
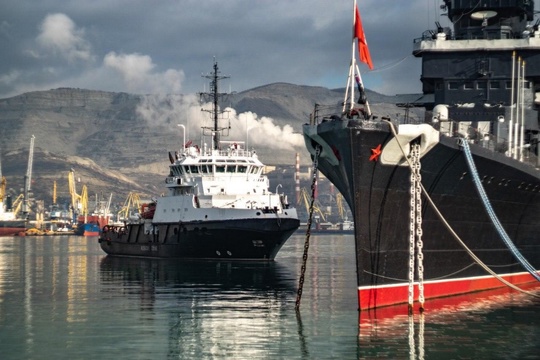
{"x": 453, "y": 85}
{"x": 254, "y": 169}
{"x": 194, "y": 169}
{"x": 204, "y": 169}
{"x": 242, "y": 169}
{"x": 494, "y": 85}
{"x": 220, "y": 168}
{"x": 231, "y": 168}
{"x": 186, "y": 168}
{"x": 481, "y": 85}
{"x": 468, "y": 86}
{"x": 508, "y": 84}
{"x": 527, "y": 85}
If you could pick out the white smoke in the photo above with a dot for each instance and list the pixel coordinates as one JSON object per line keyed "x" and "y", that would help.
{"x": 258, "y": 133}
{"x": 263, "y": 133}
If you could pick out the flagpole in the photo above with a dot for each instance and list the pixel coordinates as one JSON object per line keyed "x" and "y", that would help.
{"x": 368, "y": 110}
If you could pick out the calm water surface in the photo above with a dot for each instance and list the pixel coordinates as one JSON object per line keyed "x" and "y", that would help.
{"x": 62, "y": 298}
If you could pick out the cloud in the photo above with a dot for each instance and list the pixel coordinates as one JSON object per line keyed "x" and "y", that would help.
{"x": 138, "y": 74}
{"x": 59, "y": 35}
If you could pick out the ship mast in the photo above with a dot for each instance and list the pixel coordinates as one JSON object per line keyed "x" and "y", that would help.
{"x": 214, "y": 95}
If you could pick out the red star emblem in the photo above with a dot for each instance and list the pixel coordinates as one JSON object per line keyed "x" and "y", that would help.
{"x": 375, "y": 153}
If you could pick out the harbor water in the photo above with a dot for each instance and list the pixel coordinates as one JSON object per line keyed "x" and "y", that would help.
{"x": 61, "y": 297}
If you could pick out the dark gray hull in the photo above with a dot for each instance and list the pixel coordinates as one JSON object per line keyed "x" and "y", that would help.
{"x": 379, "y": 197}
{"x": 244, "y": 239}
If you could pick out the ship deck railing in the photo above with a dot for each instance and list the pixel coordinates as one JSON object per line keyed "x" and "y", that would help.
{"x": 492, "y": 142}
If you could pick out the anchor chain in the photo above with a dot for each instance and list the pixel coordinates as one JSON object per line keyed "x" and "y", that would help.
{"x": 412, "y": 224}
{"x": 308, "y": 231}
{"x": 415, "y": 228}
{"x": 419, "y": 242}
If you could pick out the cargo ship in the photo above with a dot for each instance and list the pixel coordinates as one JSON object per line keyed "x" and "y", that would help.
{"x": 217, "y": 206}
{"x": 10, "y": 223}
{"x": 449, "y": 204}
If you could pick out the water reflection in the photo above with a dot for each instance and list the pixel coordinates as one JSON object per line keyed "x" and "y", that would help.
{"x": 496, "y": 324}
{"x": 63, "y": 298}
{"x": 206, "y": 304}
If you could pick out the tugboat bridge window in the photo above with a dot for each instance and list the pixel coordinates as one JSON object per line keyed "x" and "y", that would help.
{"x": 468, "y": 86}
{"x": 453, "y": 85}
{"x": 494, "y": 85}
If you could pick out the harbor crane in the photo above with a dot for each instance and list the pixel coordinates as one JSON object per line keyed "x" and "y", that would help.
{"x": 28, "y": 177}
{"x": 79, "y": 203}
{"x": 133, "y": 201}
{"x": 316, "y": 209}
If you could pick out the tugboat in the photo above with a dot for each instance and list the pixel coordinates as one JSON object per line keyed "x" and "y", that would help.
{"x": 218, "y": 204}
{"x": 449, "y": 204}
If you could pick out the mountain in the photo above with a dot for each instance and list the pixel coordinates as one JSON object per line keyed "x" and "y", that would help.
{"x": 119, "y": 142}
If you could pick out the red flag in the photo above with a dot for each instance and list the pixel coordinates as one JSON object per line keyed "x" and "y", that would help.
{"x": 363, "y": 49}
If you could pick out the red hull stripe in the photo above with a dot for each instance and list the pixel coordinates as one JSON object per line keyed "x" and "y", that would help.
{"x": 370, "y": 297}
{"x": 489, "y": 298}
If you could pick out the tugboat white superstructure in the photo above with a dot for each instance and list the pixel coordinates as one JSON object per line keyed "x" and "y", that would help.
{"x": 218, "y": 206}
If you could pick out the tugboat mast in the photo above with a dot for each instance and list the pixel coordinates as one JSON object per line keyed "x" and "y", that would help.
{"x": 214, "y": 96}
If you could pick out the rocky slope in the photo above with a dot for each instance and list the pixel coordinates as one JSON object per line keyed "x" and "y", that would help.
{"x": 118, "y": 142}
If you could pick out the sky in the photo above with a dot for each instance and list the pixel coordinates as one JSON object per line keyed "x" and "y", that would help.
{"x": 164, "y": 46}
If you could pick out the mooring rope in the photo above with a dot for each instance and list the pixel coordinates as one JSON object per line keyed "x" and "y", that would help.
{"x": 308, "y": 231}
{"x": 489, "y": 209}
{"x": 451, "y": 230}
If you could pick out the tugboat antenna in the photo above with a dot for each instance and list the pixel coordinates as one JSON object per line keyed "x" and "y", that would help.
{"x": 214, "y": 96}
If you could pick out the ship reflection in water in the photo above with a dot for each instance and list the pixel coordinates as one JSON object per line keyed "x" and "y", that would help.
{"x": 225, "y": 284}
{"x": 61, "y": 297}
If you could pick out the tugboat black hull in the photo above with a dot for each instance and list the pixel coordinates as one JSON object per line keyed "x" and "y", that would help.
{"x": 379, "y": 197}
{"x": 241, "y": 239}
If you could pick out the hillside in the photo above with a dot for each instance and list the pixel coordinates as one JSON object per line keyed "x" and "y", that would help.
{"x": 118, "y": 142}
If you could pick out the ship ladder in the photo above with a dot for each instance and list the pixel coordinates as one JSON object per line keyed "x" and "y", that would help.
{"x": 318, "y": 149}
{"x": 451, "y": 230}
{"x": 487, "y": 205}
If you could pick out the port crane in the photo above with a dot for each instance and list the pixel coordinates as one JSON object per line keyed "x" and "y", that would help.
{"x": 316, "y": 209}
{"x": 79, "y": 203}
{"x": 2, "y": 184}
{"x": 133, "y": 201}
{"x": 17, "y": 204}
{"x": 28, "y": 177}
